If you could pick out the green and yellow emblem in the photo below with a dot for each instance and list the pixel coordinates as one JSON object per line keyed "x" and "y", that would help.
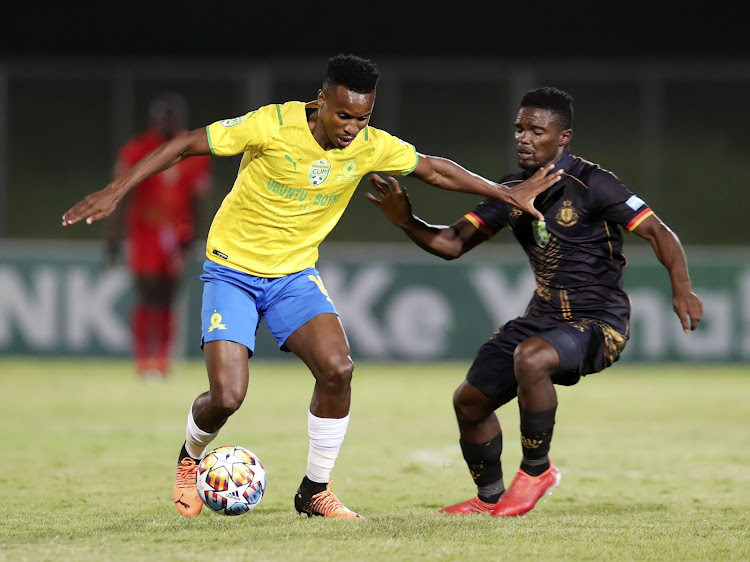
{"x": 348, "y": 171}
{"x": 319, "y": 171}
{"x": 539, "y": 230}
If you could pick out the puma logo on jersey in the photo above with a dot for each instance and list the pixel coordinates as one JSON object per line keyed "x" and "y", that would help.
{"x": 294, "y": 162}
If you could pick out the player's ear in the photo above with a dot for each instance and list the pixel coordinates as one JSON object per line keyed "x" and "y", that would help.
{"x": 321, "y": 98}
{"x": 565, "y": 136}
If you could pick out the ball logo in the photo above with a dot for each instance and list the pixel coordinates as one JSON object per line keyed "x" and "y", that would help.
{"x": 319, "y": 171}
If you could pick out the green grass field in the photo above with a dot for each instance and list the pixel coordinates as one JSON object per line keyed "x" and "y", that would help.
{"x": 655, "y": 463}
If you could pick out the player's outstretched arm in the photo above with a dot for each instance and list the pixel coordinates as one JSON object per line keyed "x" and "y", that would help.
{"x": 666, "y": 245}
{"x": 446, "y": 174}
{"x": 100, "y": 204}
{"x": 447, "y": 242}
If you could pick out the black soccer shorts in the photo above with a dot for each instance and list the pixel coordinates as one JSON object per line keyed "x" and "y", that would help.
{"x": 584, "y": 347}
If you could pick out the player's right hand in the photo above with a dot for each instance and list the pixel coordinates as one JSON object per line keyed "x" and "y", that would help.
{"x": 95, "y": 207}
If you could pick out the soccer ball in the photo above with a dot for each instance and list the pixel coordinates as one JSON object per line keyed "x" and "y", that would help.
{"x": 231, "y": 480}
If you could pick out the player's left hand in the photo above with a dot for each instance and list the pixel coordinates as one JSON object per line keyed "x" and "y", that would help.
{"x": 391, "y": 199}
{"x": 522, "y": 196}
{"x": 689, "y": 308}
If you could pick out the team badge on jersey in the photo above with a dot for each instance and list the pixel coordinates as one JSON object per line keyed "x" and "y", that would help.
{"x": 567, "y": 215}
{"x": 541, "y": 236}
{"x": 349, "y": 171}
{"x": 319, "y": 171}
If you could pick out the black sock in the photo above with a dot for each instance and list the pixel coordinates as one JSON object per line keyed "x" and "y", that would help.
{"x": 483, "y": 460}
{"x": 536, "y": 437}
{"x": 185, "y": 454}
{"x": 310, "y": 488}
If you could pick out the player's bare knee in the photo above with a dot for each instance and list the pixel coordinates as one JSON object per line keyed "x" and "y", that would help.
{"x": 468, "y": 409}
{"x": 226, "y": 401}
{"x": 337, "y": 374}
{"x": 534, "y": 358}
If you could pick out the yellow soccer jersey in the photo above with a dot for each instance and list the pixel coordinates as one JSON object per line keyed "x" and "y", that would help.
{"x": 289, "y": 192}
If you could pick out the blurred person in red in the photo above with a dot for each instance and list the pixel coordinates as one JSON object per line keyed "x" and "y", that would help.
{"x": 158, "y": 222}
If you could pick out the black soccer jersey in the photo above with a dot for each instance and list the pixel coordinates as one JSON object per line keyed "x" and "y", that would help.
{"x": 576, "y": 255}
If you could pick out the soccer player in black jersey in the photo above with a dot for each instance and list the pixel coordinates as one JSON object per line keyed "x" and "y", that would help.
{"x": 577, "y": 320}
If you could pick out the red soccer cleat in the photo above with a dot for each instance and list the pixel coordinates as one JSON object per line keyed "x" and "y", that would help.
{"x": 474, "y": 505}
{"x": 525, "y": 491}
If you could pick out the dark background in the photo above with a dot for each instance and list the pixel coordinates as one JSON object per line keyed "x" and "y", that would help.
{"x": 60, "y": 127}
{"x": 587, "y": 28}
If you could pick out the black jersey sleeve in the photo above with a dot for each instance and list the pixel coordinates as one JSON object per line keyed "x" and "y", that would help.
{"x": 612, "y": 199}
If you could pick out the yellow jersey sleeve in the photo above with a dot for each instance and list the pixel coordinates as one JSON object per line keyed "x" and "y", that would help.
{"x": 394, "y": 156}
{"x": 246, "y": 133}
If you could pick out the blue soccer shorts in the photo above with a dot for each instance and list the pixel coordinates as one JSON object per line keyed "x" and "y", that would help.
{"x": 234, "y": 303}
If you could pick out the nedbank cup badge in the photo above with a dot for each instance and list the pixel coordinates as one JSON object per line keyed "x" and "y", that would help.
{"x": 541, "y": 236}
{"x": 319, "y": 171}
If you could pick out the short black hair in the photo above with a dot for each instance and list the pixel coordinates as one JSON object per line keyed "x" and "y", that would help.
{"x": 553, "y": 99}
{"x": 353, "y": 72}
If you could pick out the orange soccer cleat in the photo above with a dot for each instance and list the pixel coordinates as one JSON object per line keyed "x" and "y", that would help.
{"x": 325, "y": 504}
{"x": 185, "y": 494}
{"x": 525, "y": 491}
{"x": 474, "y": 505}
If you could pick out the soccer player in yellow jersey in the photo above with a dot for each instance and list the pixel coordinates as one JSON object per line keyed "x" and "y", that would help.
{"x": 300, "y": 166}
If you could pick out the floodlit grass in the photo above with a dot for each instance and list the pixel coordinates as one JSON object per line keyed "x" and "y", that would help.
{"x": 655, "y": 463}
